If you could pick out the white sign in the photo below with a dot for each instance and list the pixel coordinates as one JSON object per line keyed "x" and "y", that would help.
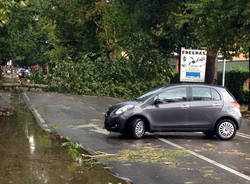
{"x": 9, "y": 63}
{"x": 193, "y": 65}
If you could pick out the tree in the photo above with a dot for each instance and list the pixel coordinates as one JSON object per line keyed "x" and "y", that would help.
{"x": 75, "y": 30}
{"x": 12, "y": 20}
{"x": 24, "y": 37}
{"x": 143, "y": 28}
{"x": 220, "y": 26}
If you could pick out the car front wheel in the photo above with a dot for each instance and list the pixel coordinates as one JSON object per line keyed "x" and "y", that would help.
{"x": 137, "y": 128}
{"x": 226, "y": 129}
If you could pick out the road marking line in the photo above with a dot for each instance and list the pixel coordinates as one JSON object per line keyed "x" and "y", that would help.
{"x": 96, "y": 128}
{"x": 101, "y": 131}
{"x": 243, "y": 135}
{"x": 206, "y": 159}
{"x": 92, "y": 108}
{"x": 238, "y": 134}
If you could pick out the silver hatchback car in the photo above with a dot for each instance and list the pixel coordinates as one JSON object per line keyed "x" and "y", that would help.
{"x": 179, "y": 108}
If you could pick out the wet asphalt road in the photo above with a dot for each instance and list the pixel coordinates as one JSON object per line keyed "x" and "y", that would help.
{"x": 29, "y": 155}
{"x": 208, "y": 160}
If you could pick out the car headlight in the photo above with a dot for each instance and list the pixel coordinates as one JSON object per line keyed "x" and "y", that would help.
{"x": 123, "y": 109}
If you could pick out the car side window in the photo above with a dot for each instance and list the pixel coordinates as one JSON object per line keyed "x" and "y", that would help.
{"x": 201, "y": 94}
{"x": 173, "y": 95}
{"x": 215, "y": 95}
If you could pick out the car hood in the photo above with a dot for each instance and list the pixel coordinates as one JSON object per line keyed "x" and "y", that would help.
{"x": 129, "y": 102}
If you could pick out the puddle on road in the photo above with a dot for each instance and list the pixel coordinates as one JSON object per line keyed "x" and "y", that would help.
{"x": 29, "y": 155}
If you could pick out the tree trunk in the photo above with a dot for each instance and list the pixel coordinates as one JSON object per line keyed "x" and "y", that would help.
{"x": 210, "y": 77}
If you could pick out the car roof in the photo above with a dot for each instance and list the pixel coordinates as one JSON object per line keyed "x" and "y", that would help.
{"x": 193, "y": 84}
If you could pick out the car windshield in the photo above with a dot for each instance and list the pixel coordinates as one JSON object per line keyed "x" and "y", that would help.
{"x": 149, "y": 94}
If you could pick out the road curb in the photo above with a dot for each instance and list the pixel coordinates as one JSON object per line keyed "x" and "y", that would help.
{"x": 39, "y": 119}
{"x": 41, "y": 122}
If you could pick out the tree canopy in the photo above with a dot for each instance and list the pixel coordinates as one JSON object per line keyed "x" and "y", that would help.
{"x": 220, "y": 25}
{"x": 40, "y": 31}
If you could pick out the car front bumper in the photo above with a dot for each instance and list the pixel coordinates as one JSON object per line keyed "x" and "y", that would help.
{"x": 115, "y": 123}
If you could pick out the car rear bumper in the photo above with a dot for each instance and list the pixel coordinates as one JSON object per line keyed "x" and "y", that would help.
{"x": 239, "y": 121}
{"x": 238, "y": 117}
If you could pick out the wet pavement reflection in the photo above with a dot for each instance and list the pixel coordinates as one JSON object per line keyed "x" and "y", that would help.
{"x": 29, "y": 155}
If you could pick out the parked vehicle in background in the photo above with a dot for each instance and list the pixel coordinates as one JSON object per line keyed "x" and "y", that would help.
{"x": 179, "y": 108}
{"x": 23, "y": 73}
{"x": 8, "y": 71}
{"x": 17, "y": 70}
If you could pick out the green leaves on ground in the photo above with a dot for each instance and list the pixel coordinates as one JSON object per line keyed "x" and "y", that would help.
{"x": 74, "y": 150}
{"x": 120, "y": 78}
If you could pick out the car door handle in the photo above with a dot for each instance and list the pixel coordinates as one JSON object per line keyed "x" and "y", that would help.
{"x": 185, "y": 106}
{"x": 216, "y": 104}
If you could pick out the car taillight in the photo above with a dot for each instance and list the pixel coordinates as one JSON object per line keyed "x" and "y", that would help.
{"x": 235, "y": 104}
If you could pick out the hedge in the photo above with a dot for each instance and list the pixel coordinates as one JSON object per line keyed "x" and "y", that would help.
{"x": 234, "y": 81}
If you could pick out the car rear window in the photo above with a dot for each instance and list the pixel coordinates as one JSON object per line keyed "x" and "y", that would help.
{"x": 215, "y": 95}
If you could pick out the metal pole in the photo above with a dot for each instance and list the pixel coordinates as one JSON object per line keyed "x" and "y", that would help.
{"x": 224, "y": 72}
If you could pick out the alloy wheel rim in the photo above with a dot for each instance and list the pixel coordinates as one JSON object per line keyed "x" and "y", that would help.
{"x": 139, "y": 129}
{"x": 226, "y": 129}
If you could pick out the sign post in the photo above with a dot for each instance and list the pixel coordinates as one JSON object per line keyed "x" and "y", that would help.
{"x": 193, "y": 65}
{"x": 224, "y": 72}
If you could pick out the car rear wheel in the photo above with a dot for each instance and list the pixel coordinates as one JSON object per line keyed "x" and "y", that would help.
{"x": 209, "y": 133}
{"x": 226, "y": 129}
{"x": 137, "y": 128}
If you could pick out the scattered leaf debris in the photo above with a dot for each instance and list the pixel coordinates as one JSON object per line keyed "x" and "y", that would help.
{"x": 140, "y": 153}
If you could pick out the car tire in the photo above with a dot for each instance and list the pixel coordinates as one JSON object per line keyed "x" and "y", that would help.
{"x": 137, "y": 128}
{"x": 226, "y": 129}
{"x": 209, "y": 133}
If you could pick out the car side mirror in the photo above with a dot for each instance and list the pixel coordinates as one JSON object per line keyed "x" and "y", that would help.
{"x": 157, "y": 101}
